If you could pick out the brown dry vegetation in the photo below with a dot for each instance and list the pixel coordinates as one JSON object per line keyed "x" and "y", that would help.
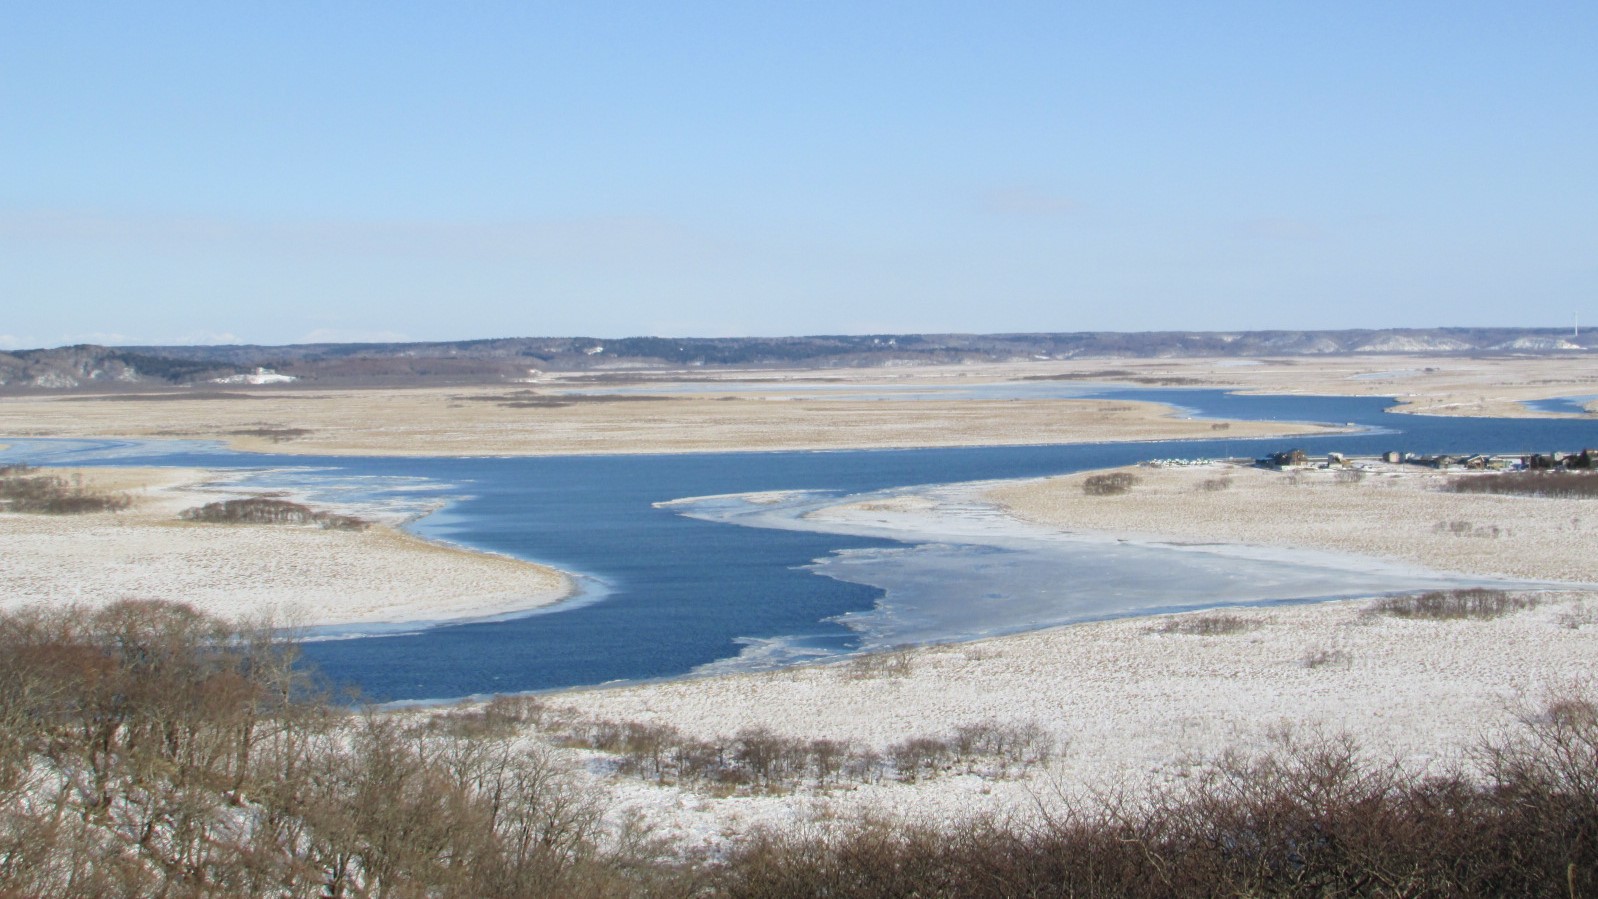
{"x": 1211, "y": 624}
{"x": 1561, "y": 484}
{"x": 1446, "y": 605}
{"x": 271, "y": 433}
{"x": 1305, "y": 819}
{"x": 1112, "y": 483}
{"x": 482, "y": 421}
{"x": 25, "y": 489}
{"x": 757, "y": 760}
{"x": 148, "y": 750}
{"x": 532, "y": 399}
{"x": 266, "y": 510}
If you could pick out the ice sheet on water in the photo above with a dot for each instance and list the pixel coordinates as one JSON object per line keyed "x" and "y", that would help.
{"x": 392, "y": 499}
{"x": 62, "y": 451}
{"x": 964, "y": 570}
{"x": 588, "y": 590}
{"x": 766, "y": 653}
{"x": 941, "y": 592}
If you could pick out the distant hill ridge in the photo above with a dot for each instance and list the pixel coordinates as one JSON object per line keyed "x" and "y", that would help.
{"x": 476, "y": 361}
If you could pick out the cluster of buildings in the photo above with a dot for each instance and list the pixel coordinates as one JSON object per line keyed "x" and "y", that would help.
{"x": 1585, "y": 460}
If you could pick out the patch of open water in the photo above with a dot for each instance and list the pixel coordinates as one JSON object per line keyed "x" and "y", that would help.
{"x": 1576, "y": 405}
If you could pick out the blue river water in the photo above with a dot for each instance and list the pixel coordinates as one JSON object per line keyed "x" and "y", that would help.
{"x": 671, "y": 593}
{"x": 1569, "y": 405}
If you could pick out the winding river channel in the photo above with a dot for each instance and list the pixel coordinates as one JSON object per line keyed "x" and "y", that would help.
{"x": 681, "y": 575}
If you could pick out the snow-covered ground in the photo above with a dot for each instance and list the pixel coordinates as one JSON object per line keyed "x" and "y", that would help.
{"x": 258, "y": 377}
{"x": 1131, "y": 701}
{"x": 303, "y": 573}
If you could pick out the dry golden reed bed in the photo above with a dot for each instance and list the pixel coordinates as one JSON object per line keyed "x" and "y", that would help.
{"x": 450, "y": 423}
{"x": 806, "y": 409}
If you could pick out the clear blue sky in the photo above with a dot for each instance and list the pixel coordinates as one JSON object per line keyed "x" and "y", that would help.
{"x": 276, "y": 172}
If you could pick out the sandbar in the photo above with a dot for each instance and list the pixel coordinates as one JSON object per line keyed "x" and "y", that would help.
{"x": 301, "y": 574}
{"x": 492, "y": 421}
{"x": 1400, "y": 512}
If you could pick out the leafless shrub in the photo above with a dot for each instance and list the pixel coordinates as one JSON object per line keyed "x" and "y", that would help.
{"x": 1578, "y": 616}
{"x": 1327, "y": 658}
{"x": 701, "y": 761}
{"x": 1442, "y": 605}
{"x": 24, "y": 488}
{"x": 266, "y": 510}
{"x": 1112, "y": 483}
{"x": 1562, "y": 484}
{"x": 1007, "y": 745}
{"x": 1310, "y": 818}
{"x": 1460, "y": 528}
{"x": 829, "y": 758}
{"x": 899, "y": 662}
{"x": 500, "y": 716}
{"x": 978, "y": 652}
{"x": 1348, "y": 476}
{"x": 1001, "y": 747}
{"x": 759, "y": 760}
{"x": 919, "y": 757}
{"x": 866, "y": 766}
{"x": 647, "y": 748}
{"x": 1221, "y": 426}
{"x": 770, "y": 760}
{"x": 274, "y": 434}
{"x": 139, "y": 723}
{"x": 147, "y": 750}
{"x": 1215, "y": 485}
{"x": 1571, "y": 712}
{"x": 1210, "y": 624}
